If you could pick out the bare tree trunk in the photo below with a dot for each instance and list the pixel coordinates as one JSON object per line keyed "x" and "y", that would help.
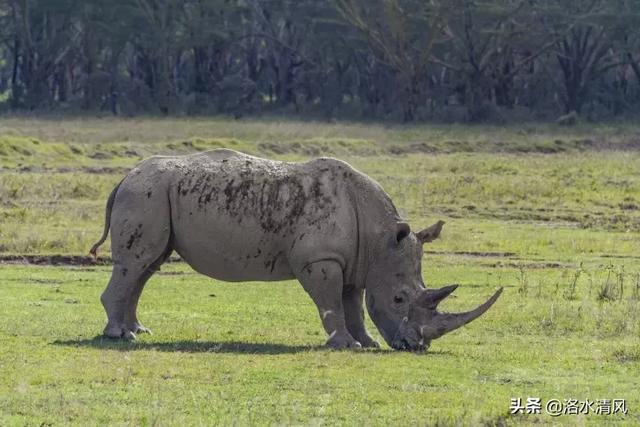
{"x": 16, "y": 87}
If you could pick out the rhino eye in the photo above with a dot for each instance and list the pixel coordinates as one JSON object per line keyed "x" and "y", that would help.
{"x": 398, "y": 299}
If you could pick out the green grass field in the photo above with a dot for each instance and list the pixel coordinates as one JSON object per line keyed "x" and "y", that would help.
{"x": 551, "y": 214}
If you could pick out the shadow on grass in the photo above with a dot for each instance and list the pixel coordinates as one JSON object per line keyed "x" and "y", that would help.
{"x": 211, "y": 347}
{"x": 189, "y": 346}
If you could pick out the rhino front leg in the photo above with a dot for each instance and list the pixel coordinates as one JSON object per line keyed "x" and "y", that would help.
{"x": 323, "y": 282}
{"x": 354, "y": 316}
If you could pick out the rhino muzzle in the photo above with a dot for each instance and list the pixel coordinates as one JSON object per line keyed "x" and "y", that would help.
{"x": 417, "y": 338}
{"x": 407, "y": 338}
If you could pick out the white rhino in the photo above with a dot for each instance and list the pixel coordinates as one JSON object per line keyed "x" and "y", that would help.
{"x": 238, "y": 218}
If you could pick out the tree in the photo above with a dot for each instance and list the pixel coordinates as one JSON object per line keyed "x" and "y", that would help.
{"x": 403, "y": 35}
{"x": 45, "y": 38}
{"x": 382, "y": 59}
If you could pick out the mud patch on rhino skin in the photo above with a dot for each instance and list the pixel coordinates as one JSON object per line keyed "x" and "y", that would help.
{"x": 135, "y": 236}
{"x": 272, "y": 264}
{"x": 205, "y": 189}
{"x": 200, "y": 184}
{"x": 183, "y": 186}
{"x": 293, "y": 243}
{"x": 276, "y": 203}
{"x": 236, "y": 195}
{"x": 276, "y": 198}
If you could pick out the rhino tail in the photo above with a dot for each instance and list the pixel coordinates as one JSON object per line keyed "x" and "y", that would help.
{"x": 107, "y": 222}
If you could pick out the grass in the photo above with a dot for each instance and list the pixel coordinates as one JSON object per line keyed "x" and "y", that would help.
{"x": 556, "y": 223}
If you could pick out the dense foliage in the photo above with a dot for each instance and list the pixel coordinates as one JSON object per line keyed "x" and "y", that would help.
{"x": 446, "y": 60}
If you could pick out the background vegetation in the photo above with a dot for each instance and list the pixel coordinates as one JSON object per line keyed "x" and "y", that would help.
{"x": 550, "y": 213}
{"x": 438, "y": 60}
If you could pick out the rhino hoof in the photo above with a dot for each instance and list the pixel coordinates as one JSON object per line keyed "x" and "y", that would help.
{"x": 348, "y": 346}
{"x": 368, "y": 342}
{"x": 119, "y": 333}
{"x": 340, "y": 342}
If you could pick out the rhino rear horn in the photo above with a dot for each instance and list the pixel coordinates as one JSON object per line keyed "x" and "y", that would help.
{"x": 431, "y": 233}
{"x": 443, "y": 323}
{"x": 430, "y": 298}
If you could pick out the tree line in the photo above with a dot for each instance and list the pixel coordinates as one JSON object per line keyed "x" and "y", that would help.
{"x": 406, "y": 60}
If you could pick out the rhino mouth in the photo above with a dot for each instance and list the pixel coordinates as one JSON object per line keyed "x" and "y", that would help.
{"x": 404, "y": 345}
{"x": 406, "y": 341}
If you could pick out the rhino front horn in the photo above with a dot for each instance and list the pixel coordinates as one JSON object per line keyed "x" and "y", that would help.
{"x": 443, "y": 323}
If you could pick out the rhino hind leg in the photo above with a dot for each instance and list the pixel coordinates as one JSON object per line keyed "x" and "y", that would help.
{"x": 115, "y": 302}
{"x": 130, "y": 316}
{"x": 120, "y": 298}
{"x": 322, "y": 280}
{"x": 352, "y": 301}
{"x": 140, "y": 243}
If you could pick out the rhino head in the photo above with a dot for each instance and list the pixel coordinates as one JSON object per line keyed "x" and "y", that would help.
{"x": 403, "y": 310}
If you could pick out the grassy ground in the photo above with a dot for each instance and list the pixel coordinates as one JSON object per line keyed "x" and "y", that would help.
{"x": 552, "y": 214}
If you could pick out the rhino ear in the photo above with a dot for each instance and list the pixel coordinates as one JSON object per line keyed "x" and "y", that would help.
{"x": 402, "y": 231}
{"x": 430, "y": 234}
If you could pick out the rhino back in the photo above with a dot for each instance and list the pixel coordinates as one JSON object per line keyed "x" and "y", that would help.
{"x": 238, "y": 217}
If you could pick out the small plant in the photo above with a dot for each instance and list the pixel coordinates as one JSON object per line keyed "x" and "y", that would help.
{"x": 605, "y": 293}
{"x": 620, "y": 280}
{"x": 613, "y": 288}
{"x": 570, "y": 293}
{"x": 524, "y": 281}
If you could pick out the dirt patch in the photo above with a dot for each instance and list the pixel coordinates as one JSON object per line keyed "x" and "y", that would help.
{"x": 421, "y": 147}
{"x": 523, "y": 147}
{"x": 53, "y": 260}
{"x": 100, "y": 155}
{"x": 275, "y": 148}
{"x": 106, "y": 170}
{"x": 620, "y": 256}
{"x": 527, "y": 265}
{"x": 474, "y": 254}
{"x": 57, "y": 260}
{"x": 172, "y": 273}
{"x": 88, "y": 170}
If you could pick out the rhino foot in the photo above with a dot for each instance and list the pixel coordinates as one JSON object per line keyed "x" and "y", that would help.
{"x": 368, "y": 342}
{"x": 119, "y": 332}
{"x": 343, "y": 342}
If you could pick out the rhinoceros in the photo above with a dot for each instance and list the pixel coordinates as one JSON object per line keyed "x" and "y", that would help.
{"x": 238, "y": 218}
